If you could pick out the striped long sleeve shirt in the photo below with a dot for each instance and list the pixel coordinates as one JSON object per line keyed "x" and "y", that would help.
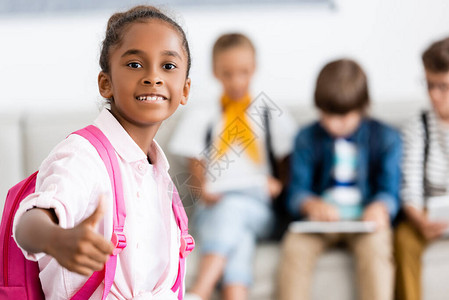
{"x": 436, "y": 183}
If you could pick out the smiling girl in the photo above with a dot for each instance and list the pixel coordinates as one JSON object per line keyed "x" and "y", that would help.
{"x": 66, "y": 225}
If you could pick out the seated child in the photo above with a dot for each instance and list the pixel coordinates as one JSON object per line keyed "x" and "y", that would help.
{"x": 345, "y": 166}
{"x": 228, "y": 153}
{"x": 425, "y": 174}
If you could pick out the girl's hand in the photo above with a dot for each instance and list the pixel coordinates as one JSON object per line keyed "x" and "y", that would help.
{"x": 377, "y": 212}
{"x": 316, "y": 209}
{"x": 81, "y": 249}
{"x": 274, "y": 187}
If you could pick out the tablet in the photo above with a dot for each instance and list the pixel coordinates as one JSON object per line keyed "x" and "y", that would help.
{"x": 332, "y": 227}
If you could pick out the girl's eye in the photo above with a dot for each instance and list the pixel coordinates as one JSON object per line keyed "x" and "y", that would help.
{"x": 134, "y": 65}
{"x": 169, "y": 66}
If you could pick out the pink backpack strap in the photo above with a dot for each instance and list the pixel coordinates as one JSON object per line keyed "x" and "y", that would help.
{"x": 187, "y": 241}
{"x": 107, "y": 154}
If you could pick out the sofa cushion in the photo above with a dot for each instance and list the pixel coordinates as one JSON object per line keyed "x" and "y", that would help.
{"x": 11, "y": 153}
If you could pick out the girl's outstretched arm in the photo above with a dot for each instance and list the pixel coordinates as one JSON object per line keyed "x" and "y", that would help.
{"x": 79, "y": 249}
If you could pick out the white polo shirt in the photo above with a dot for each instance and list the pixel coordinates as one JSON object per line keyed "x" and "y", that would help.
{"x": 234, "y": 169}
{"x": 71, "y": 180}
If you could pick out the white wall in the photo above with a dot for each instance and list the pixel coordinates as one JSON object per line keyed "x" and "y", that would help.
{"x": 50, "y": 61}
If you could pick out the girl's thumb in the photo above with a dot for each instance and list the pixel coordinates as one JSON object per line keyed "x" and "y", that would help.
{"x": 98, "y": 213}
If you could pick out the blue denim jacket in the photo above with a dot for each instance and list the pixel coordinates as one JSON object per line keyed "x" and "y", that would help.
{"x": 378, "y": 169}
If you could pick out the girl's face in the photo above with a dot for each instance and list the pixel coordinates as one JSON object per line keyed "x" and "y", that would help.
{"x": 147, "y": 79}
{"x": 234, "y": 68}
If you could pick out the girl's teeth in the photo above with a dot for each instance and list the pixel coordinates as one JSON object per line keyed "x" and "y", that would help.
{"x": 150, "y": 98}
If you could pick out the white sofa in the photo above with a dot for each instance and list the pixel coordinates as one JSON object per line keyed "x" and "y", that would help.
{"x": 27, "y": 137}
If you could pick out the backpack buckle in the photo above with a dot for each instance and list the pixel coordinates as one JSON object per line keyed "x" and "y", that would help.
{"x": 119, "y": 241}
{"x": 187, "y": 245}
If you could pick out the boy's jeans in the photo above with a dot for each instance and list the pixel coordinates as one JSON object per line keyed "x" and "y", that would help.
{"x": 409, "y": 246}
{"x": 374, "y": 263}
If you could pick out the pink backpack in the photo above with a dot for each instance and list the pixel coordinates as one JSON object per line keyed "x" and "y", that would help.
{"x": 19, "y": 277}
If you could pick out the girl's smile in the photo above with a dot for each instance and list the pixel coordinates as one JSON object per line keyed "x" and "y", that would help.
{"x": 152, "y": 98}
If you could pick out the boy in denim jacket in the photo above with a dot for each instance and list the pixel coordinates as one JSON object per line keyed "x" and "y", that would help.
{"x": 345, "y": 166}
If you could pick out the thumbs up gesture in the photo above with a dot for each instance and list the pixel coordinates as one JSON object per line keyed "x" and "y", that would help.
{"x": 80, "y": 249}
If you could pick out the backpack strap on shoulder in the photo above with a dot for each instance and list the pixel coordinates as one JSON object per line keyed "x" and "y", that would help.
{"x": 269, "y": 144}
{"x": 425, "y": 124}
{"x": 187, "y": 241}
{"x": 107, "y": 154}
{"x": 208, "y": 137}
